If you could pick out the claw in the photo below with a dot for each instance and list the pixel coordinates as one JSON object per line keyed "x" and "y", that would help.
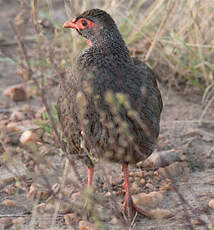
{"x": 128, "y": 204}
{"x": 130, "y": 208}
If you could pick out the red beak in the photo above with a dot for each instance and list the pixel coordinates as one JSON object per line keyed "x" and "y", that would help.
{"x": 70, "y": 24}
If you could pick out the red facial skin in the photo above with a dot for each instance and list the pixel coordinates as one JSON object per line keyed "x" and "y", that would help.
{"x": 78, "y": 25}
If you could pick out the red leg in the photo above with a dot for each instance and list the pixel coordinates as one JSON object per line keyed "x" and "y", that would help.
{"x": 90, "y": 176}
{"x": 128, "y": 204}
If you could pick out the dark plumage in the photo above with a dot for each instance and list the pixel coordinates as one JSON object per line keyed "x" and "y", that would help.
{"x": 111, "y": 105}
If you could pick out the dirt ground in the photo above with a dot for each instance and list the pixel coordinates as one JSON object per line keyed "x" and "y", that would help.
{"x": 183, "y": 129}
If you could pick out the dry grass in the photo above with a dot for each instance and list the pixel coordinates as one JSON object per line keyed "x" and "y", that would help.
{"x": 174, "y": 37}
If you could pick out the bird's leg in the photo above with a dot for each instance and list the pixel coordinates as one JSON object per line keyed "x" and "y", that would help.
{"x": 90, "y": 176}
{"x": 88, "y": 206}
{"x": 128, "y": 203}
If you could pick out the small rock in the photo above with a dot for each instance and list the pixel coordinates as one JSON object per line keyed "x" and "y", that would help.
{"x": 191, "y": 133}
{"x": 19, "y": 220}
{"x": 198, "y": 222}
{"x": 65, "y": 208}
{"x": 47, "y": 150}
{"x": 149, "y": 185}
{"x": 71, "y": 218}
{"x": 28, "y": 136}
{"x": 16, "y": 93}
{"x": 24, "y": 74}
{"x": 9, "y": 203}
{"x": 17, "y": 116}
{"x": 108, "y": 194}
{"x": 209, "y": 181}
{"x": 41, "y": 208}
{"x": 156, "y": 173}
{"x": 162, "y": 159}
{"x": 76, "y": 196}
{"x": 174, "y": 170}
{"x": 166, "y": 186}
{"x": 10, "y": 189}
{"x": 135, "y": 188}
{"x": 13, "y": 127}
{"x": 150, "y": 200}
{"x": 131, "y": 174}
{"x": 37, "y": 191}
{"x": 55, "y": 188}
{"x": 139, "y": 174}
{"x": 48, "y": 138}
{"x": 5, "y": 222}
{"x": 160, "y": 213}
{"x": 85, "y": 225}
{"x": 211, "y": 203}
{"x": 143, "y": 181}
{"x": 27, "y": 108}
{"x": 114, "y": 221}
{"x": 115, "y": 180}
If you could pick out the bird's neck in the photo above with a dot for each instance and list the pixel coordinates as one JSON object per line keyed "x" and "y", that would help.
{"x": 109, "y": 44}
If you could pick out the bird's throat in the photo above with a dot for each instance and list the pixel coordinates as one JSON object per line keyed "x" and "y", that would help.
{"x": 88, "y": 42}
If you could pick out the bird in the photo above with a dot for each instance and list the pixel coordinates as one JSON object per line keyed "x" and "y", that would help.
{"x": 109, "y": 105}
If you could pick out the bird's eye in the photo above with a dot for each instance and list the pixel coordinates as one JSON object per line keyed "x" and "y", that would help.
{"x": 84, "y": 23}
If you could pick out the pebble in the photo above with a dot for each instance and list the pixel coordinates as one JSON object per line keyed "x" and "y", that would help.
{"x": 24, "y": 74}
{"x": 19, "y": 220}
{"x": 198, "y": 222}
{"x": 85, "y": 225}
{"x": 114, "y": 221}
{"x": 17, "y": 116}
{"x": 150, "y": 200}
{"x": 9, "y": 203}
{"x": 16, "y": 93}
{"x": 10, "y": 189}
{"x": 149, "y": 186}
{"x": 162, "y": 159}
{"x": 37, "y": 191}
{"x": 108, "y": 194}
{"x": 47, "y": 150}
{"x": 13, "y": 138}
{"x": 13, "y": 127}
{"x": 139, "y": 174}
{"x": 28, "y": 136}
{"x": 211, "y": 203}
{"x": 115, "y": 180}
{"x": 48, "y": 138}
{"x": 135, "y": 188}
{"x": 160, "y": 213}
{"x": 174, "y": 170}
{"x": 71, "y": 218}
{"x": 143, "y": 181}
{"x": 156, "y": 173}
{"x": 40, "y": 208}
{"x": 209, "y": 181}
{"x": 5, "y": 222}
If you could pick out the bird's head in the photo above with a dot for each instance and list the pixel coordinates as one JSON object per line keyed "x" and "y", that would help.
{"x": 95, "y": 25}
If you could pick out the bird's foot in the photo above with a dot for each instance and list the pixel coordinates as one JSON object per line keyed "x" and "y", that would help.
{"x": 131, "y": 209}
